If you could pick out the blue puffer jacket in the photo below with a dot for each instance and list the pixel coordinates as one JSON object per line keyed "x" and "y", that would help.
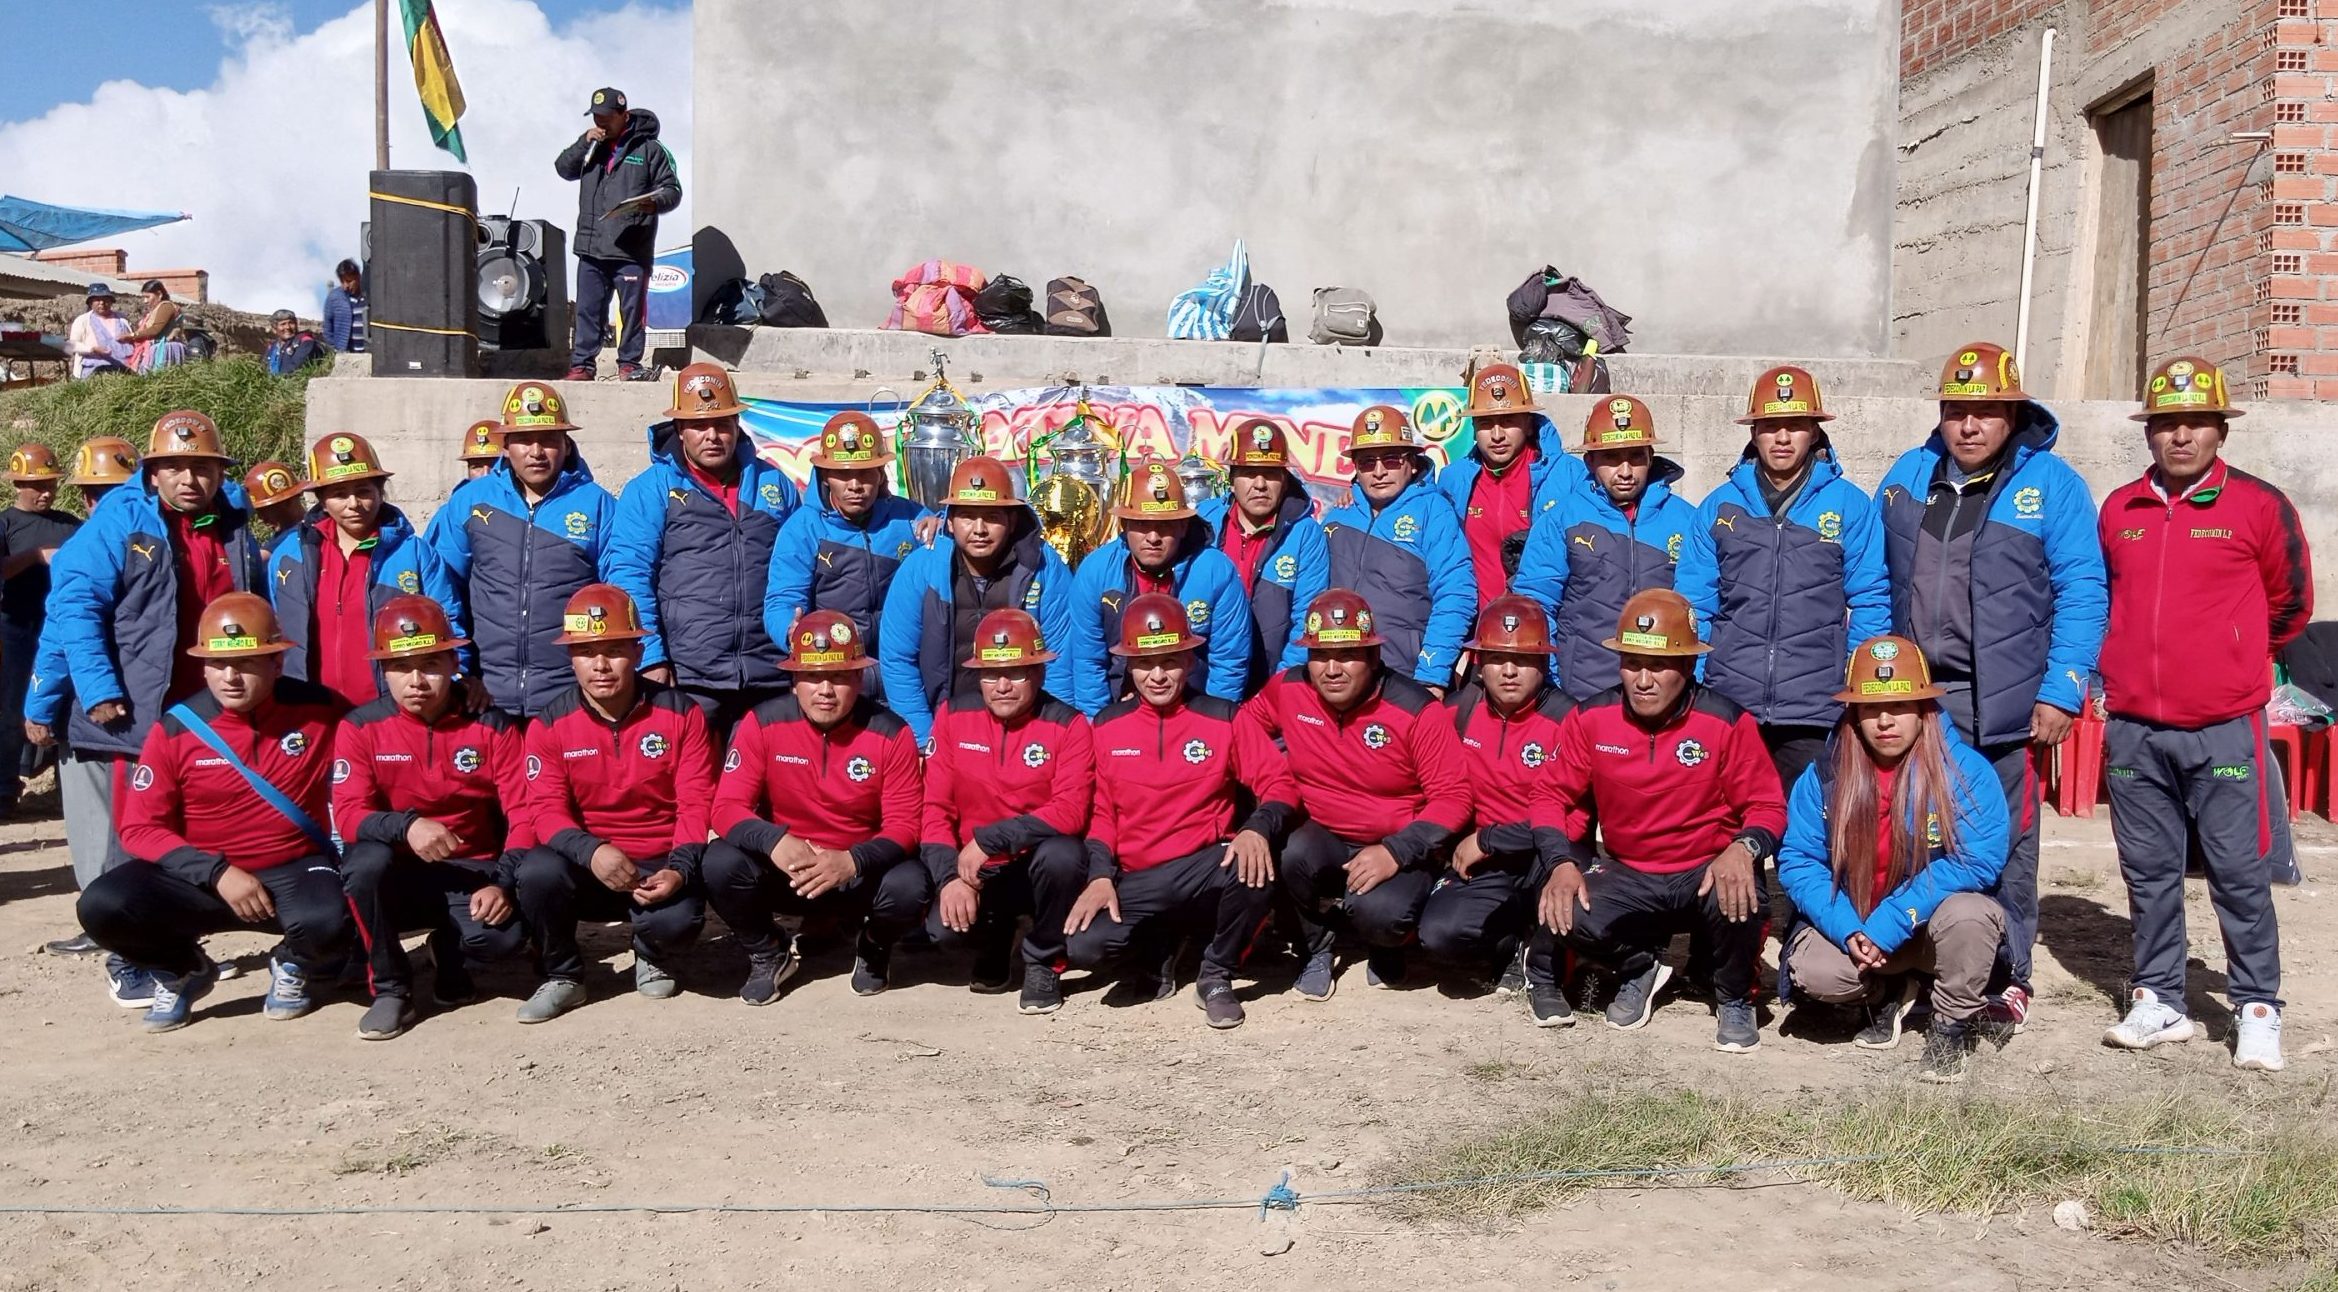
{"x": 693, "y": 569}
{"x": 1555, "y": 473}
{"x": 51, "y": 687}
{"x": 1774, "y": 594}
{"x": 1584, "y": 560}
{"x": 1807, "y": 872}
{"x": 401, "y": 563}
{"x": 1208, "y": 584}
{"x": 1410, "y": 563}
{"x": 925, "y": 632}
{"x": 518, "y": 567}
{"x": 824, "y": 562}
{"x": 2033, "y": 583}
{"x": 1294, "y": 571}
{"x": 116, "y": 618}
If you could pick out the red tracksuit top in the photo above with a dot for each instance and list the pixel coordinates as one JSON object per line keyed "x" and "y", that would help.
{"x": 855, "y": 787}
{"x": 1508, "y": 760}
{"x": 2205, "y": 591}
{"x": 1007, "y": 788}
{"x": 467, "y": 772}
{"x": 1666, "y": 800}
{"x": 186, "y": 809}
{"x": 1499, "y": 506}
{"x": 1388, "y": 771}
{"x": 642, "y": 783}
{"x": 1168, "y": 783}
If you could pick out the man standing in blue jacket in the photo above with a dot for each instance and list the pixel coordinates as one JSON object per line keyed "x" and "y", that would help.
{"x": 1996, "y": 571}
{"x": 841, "y": 552}
{"x": 1398, "y": 542}
{"x": 523, "y": 539}
{"x": 1266, "y": 526}
{"x": 692, "y": 544}
{"x": 990, "y": 556}
{"x": 1162, "y": 547}
{"x": 1510, "y": 475}
{"x": 1620, "y": 532}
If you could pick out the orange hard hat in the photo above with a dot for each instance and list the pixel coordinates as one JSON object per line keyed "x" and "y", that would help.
{"x": 412, "y": 625}
{"x": 1656, "y": 621}
{"x": 1382, "y": 426}
{"x": 1497, "y": 390}
{"x": 850, "y": 441}
{"x": 1619, "y": 422}
{"x": 184, "y": 434}
{"x": 535, "y": 406}
{"x": 270, "y": 482}
{"x": 34, "y": 463}
{"x": 599, "y": 612}
{"x": 1888, "y": 670}
{"x": 981, "y": 482}
{"x": 703, "y": 392}
{"x": 825, "y": 642}
{"x": 1152, "y": 491}
{"x": 1155, "y": 624}
{"x": 1008, "y": 639}
{"x": 104, "y": 460}
{"x": 2186, "y": 385}
{"x": 1512, "y": 625}
{"x": 1981, "y": 371}
{"x": 1784, "y": 393}
{"x": 1336, "y": 620}
{"x": 1259, "y": 442}
{"x": 237, "y": 624}
{"x": 340, "y": 459}
{"x": 480, "y": 443}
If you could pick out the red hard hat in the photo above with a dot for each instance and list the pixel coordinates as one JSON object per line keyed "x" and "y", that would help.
{"x": 1512, "y": 626}
{"x": 1008, "y": 639}
{"x": 599, "y": 612}
{"x": 412, "y": 625}
{"x": 1338, "y": 619}
{"x": 1154, "y": 624}
{"x": 825, "y": 642}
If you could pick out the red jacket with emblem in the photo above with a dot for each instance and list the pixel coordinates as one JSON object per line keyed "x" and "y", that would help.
{"x": 1168, "y": 783}
{"x": 2205, "y": 591}
{"x": 1387, "y": 771}
{"x": 641, "y": 783}
{"x": 855, "y": 786}
{"x": 1006, "y": 788}
{"x": 1667, "y": 798}
{"x": 1509, "y": 759}
{"x": 186, "y": 810}
{"x": 468, "y": 772}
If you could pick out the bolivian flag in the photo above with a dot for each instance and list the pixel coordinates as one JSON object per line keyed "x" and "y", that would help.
{"x": 434, "y": 77}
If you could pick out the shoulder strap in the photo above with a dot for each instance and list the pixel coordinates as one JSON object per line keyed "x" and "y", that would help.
{"x": 268, "y": 793}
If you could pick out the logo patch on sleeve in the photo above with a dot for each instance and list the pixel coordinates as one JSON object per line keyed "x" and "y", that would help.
{"x": 141, "y": 777}
{"x": 340, "y": 770}
{"x": 535, "y": 767}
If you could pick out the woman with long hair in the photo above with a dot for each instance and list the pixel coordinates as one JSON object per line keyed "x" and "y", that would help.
{"x": 1894, "y": 841}
{"x": 155, "y": 343}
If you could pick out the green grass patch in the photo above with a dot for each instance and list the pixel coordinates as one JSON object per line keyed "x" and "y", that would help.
{"x": 259, "y": 416}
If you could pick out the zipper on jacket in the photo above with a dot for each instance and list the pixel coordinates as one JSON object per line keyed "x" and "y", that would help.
{"x": 1770, "y": 639}
{"x": 2159, "y": 583}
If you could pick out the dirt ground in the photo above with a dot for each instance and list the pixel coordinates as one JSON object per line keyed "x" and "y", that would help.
{"x": 921, "y": 1094}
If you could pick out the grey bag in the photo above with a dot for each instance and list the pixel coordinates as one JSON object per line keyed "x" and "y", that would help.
{"x": 1344, "y": 316}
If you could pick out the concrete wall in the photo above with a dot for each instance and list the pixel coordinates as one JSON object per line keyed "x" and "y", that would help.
{"x": 1722, "y": 171}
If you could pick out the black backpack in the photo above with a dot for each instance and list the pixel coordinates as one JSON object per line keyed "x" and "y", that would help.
{"x": 788, "y": 302}
{"x": 1075, "y": 309}
{"x": 1005, "y": 306}
{"x": 1259, "y": 316}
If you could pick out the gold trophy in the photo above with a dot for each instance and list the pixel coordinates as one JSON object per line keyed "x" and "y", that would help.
{"x": 1084, "y": 464}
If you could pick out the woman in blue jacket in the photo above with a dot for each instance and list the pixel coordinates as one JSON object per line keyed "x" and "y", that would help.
{"x": 1895, "y": 839}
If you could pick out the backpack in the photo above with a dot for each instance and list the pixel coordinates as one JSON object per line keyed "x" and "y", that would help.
{"x": 787, "y": 302}
{"x": 1259, "y": 316}
{"x": 1074, "y": 309}
{"x": 937, "y": 297}
{"x": 1548, "y": 294}
{"x": 1344, "y": 316}
{"x": 1005, "y": 306}
{"x": 1206, "y": 312}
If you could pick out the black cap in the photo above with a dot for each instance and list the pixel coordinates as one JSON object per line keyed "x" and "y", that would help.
{"x": 97, "y": 290}
{"x": 606, "y": 99}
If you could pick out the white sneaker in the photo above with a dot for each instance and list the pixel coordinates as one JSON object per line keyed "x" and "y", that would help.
{"x": 2148, "y": 1023}
{"x": 2258, "y": 1044}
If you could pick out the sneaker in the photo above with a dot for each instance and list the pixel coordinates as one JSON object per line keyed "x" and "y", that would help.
{"x": 175, "y": 996}
{"x": 651, "y": 980}
{"x": 387, "y": 1017}
{"x": 1384, "y": 968}
{"x": 1512, "y": 979}
{"x": 636, "y": 372}
{"x": 1738, "y": 1030}
{"x": 555, "y": 997}
{"x": 1635, "y": 999}
{"x": 2148, "y": 1023}
{"x": 579, "y": 373}
{"x": 451, "y": 986}
{"x": 1315, "y": 981}
{"x": 2010, "y": 1009}
{"x": 872, "y": 968}
{"x": 766, "y": 974}
{"x": 1161, "y": 984}
{"x": 1549, "y": 1005}
{"x": 994, "y": 970}
{"x": 1042, "y": 990}
{"x": 1217, "y": 999}
{"x": 1886, "y": 1018}
{"x": 288, "y": 993}
{"x": 227, "y": 970}
{"x": 1946, "y": 1051}
{"x": 80, "y": 944}
{"x": 130, "y": 986}
{"x": 2257, "y": 1043}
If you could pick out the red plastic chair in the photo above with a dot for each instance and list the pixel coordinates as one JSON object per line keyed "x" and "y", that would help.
{"x": 2296, "y": 749}
{"x": 2078, "y": 768}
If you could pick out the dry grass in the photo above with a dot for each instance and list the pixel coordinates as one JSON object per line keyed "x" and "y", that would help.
{"x": 259, "y": 416}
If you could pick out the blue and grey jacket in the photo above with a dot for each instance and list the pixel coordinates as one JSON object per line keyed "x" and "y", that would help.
{"x": 1783, "y": 599}
{"x": 51, "y": 686}
{"x": 1410, "y": 563}
{"x": 1584, "y": 559}
{"x": 823, "y": 561}
{"x": 1555, "y": 473}
{"x": 518, "y": 566}
{"x": 1295, "y": 569}
{"x": 2000, "y": 577}
{"x": 1807, "y": 872}
{"x": 1205, "y": 581}
{"x": 115, "y": 612}
{"x": 694, "y": 570}
{"x": 401, "y": 563}
{"x": 934, "y": 605}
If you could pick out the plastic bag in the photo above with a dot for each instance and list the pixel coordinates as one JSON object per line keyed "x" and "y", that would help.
{"x": 2294, "y": 706}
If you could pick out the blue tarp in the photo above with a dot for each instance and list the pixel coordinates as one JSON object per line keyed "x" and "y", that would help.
{"x": 26, "y": 225}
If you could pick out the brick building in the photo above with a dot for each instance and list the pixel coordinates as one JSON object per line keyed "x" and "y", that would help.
{"x": 188, "y": 285}
{"x": 2189, "y": 201}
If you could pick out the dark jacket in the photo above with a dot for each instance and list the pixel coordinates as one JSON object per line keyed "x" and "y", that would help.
{"x": 401, "y": 563}
{"x": 1205, "y": 581}
{"x": 1584, "y": 559}
{"x": 821, "y": 561}
{"x": 518, "y": 567}
{"x": 288, "y": 357}
{"x": 1294, "y": 571}
{"x": 642, "y": 166}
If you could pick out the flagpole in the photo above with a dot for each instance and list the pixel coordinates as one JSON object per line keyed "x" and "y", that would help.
{"x": 381, "y": 84}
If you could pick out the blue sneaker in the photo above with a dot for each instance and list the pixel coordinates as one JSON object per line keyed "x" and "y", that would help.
{"x": 130, "y": 986}
{"x": 288, "y": 991}
{"x": 175, "y": 996}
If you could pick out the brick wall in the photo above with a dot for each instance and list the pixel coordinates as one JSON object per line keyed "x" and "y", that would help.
{"x": 104, "y": 262}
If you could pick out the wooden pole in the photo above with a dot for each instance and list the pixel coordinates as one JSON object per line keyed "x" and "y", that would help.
{"x": 381, "y": 84}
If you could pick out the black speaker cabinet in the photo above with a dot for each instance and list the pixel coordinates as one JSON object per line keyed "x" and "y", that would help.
{"x": 421, "y": 265}
{"x": 523, "y": 284}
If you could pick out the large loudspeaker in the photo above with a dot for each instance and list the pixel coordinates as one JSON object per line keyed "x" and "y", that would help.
{"x": 523, "y": 284}
{"x": 421, "y": 258}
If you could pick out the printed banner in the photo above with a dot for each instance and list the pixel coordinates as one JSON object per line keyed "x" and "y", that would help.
{"x": 1162, "y": 420}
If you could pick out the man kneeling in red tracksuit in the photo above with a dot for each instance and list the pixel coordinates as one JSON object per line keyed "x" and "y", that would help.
{"x": 1007, "y": 789}
{"x": 1381, "y": 776}
{"x": 215, "y": 853}
{"x": 1172, "y": 768}
{"x": 818, "y": 810}
{"x": 432, "y": 801}
{"x": 1688, "y": 805}
{"x": 620, "y": 773}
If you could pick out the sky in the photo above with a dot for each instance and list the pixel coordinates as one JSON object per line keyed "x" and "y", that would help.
{"x": 257, "y": 118}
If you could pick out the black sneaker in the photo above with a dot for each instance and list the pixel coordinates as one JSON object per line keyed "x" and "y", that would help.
{"x": 1384, "y": 967}
{"x": 451, "y": 986}
{"x": 1161, "y": 984}
{"x": 872, "y": 968}
{"x": 1217, "y": 999}
{"x": 1512, "y": 979}
{"x": 994, "y": 970}
{"x": 1887, "y": 1018}
{"x": 1316, "y": 981}
{"x": 1635, "y": 998}
{"x": 1042, "y": 990}
{"x": 1548, "y": 1003}
{"x": 1946, "y": 1051}
{"x": 1738, "y": 1029}
{"x": 766, "y": 974}
{"x": 387, "y": 1017}
{"x": 80, "y": 944}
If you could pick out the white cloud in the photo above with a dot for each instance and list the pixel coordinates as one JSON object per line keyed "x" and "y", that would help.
{"x": 271, "y": 158}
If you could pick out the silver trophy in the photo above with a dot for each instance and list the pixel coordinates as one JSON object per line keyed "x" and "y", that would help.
{"x": 1201, "y": 480}
{"x": 1072, "y": 490}
{"x": 936, "y": 434}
